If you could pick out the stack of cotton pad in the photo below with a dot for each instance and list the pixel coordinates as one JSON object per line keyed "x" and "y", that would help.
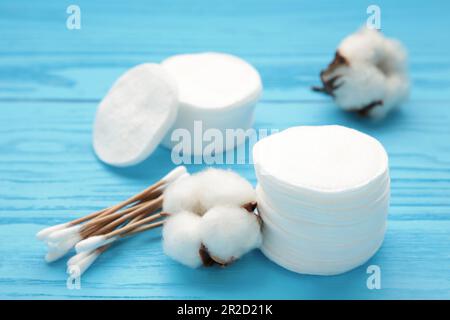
{"x": 219, "y": 90}
{"x": 323, "y": 194}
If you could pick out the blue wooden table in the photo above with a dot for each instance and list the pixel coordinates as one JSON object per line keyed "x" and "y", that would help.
{"x": 52, "y": 78}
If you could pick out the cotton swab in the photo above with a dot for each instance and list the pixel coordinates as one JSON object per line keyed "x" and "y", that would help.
{"x": 83, "y": 264}
{"x": 95, "y": 242}
{"x": 58, "y": 240}
{"x": 44, "y": 233}
{"x": 61, "y": 249}
{"x": 78, "y": 257}
{"x": 62, "y": 237}
{"x": 77, "y": 260}
{"x": 157, "y": 188}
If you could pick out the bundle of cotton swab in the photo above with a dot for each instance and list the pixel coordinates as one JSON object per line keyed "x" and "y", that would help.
{"x": 212, "y": 219}
{"x": 368, "y": 74}
{"x": 92, "y": 234}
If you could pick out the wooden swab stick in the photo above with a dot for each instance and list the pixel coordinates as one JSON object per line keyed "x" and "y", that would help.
{"x": 82, "y": 261}
{"x": 86, "y": 218}
{"x": 154, "y": 190}
{"x": 94, "y": 242}
{"x": 78, "y": 257}
{"x": 147, "y": 207}
{"x": 144, "y": 228}
{"x": 129, "y": 213}
{"x": 169, "y": 178}
{"x": 131, "y": 226}
{"x": 97, "y": 224}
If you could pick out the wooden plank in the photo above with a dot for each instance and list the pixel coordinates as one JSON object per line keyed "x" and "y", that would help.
{"x": 52, "y": 79}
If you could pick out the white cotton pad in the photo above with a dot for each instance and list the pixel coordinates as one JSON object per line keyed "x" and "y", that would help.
{"x": 321, "y": 159}
{"x": 323, "y": 229}
{"x": 135, "y": 115}
{"x": 323, "y": 195}
{"x": 308, "y": 266}
{"x": 218, "y": 89}
{"x": 308, "y": 208}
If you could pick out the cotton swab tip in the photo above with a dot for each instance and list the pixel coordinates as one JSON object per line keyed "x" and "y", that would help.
{"x": 54, "y": 255}
{"x": 174, "y": 174}
{"x": 44, "y": 233}
{"x": 81, "y": 266}
{"x": 78, "y": 257}
{"x": 63, "y": 234}
{"x": 93, "y": 243}
{"x": 59, "y": 250}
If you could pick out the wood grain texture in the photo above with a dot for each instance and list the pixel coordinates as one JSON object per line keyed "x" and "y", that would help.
{"x": 51, "y": 80}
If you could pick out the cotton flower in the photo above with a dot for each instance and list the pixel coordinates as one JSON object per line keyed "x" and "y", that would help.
{"x": 368, "y": 74}
{"x": 211, "y": 218}
{"x": 224, "y": 187}
{"x": 200, "y": 192}
{"x": 228, "y": 232}
{"x": 181, "y": 238}
{"x": 183, "y": 195}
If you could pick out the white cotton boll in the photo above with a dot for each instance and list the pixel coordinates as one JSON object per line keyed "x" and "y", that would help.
{"x": 181, "y": 238}
{"x": 397, "y": 89}
{"x": 224, "y": 187}
{"x": 365, "y": 45}
{"x": 208, "y": 188}
{"x": 229, "y": 232}
{"x": 202, "y": 191}
{"x": 183, "y": 195}
{"x": 363, "y": 83}
{"x": 368, "y": 74}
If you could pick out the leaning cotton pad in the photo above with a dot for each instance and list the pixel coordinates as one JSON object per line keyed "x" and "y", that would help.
{"x": 135, "y": 115}
{"x": 217, "y": 89}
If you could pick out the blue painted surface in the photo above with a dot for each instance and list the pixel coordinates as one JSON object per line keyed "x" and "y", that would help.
{"x": 51, "y": 80}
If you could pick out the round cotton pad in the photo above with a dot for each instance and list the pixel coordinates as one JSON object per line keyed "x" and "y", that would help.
{"x": 220, "y": 90}
{"x": 135, "y": 115}
{"x": 320, "y": 158}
